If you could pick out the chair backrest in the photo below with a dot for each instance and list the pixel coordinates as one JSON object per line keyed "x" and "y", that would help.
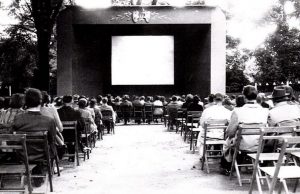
{"x": 287, "y": 142}
{"x": 215, "y": 124}
{"x": 17, "y": 143}
{"x": 148, "y": 108}
{"x": 138, "y": 108}
{"x": 193, "y": 116}
{"x": 70, "y": 131}
{"x": 38, "y": 141}
{"x": 107, "y": 114}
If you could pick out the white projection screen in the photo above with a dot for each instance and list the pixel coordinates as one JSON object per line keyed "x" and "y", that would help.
{"x": 142, "y": 60}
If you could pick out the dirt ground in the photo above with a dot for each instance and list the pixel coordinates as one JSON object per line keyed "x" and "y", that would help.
{"x": 143, "y": 159}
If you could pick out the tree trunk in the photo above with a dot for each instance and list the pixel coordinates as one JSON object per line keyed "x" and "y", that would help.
{"x": 42, "y": 78}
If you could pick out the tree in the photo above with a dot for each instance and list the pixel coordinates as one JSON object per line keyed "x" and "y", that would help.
{"x": 235, "y": 65}
{"x": 279, "y": 60}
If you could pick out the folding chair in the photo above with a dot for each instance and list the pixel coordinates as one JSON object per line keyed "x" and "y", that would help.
{"x": 191, "y": 127}
{"x": 148, "y": 113}
{"x": 40, "y": 139}
{"x": 244, "y": 130}
{"x": 172, "y": 114}
{"x": 274, "y": 133}
{"x": 107, "y": 116}
{"x": 126, "y": 113}
{"x": 158, "y": 116}
{"x": 181, "y": 119}
{"x": 138, "y": 113}
{"x": 71, "y": 138}
{"x": 280, "y": 170}
{"x": 87, "y": 136}
{"x": 17, "y": 143}
{"x": 211, "y": 142}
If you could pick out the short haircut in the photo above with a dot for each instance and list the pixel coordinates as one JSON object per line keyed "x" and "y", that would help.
{"x": 240, "y": 100}
{"x": 250, "y": 92}
{"x": 196, "y": 99}
{"x": 46, "y": 97}
{"x": 104, "y": 100}
{"x": 99, "y": 98}
{"x": 67, "y": 99}
{"x": 2, "y": 102}
{"x": 82, "y": 103}
{"x": 211, "y": 98}
{"x": 93, "y": 102}
{"x": 174, "y": 98}
{"x": 33, "y": 97}
{"x": 17, "y": 101}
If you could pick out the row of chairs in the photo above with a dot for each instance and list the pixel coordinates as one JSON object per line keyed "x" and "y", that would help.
{"x": 280, "y": 162}
{"x": 17, "y": 143}
{"x": 145, "y": 112}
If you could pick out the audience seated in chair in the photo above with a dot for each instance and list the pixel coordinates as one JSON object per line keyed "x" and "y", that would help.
{"x": 251, "y": 112}
{"x": 67, "y": 113}
{"x": 214, "y": 112}
{"x": 188, "y": 101}
{"x": 172, "y": 108}
{"x": 106, "y": 107}
{"x": 284, "y": 110}
{"x": 194, "y": 105}
{"x": 126, "y": 107}
{"x": 8, "y": 116}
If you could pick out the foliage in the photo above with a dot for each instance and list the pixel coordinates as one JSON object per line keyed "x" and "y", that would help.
{"x": 279, "y": 59}
{"x": 235, "y": 65}
{"x": 17, "y": 62}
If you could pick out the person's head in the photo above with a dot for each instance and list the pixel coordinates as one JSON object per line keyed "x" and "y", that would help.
{"x": 76, "y": 98}
{"x": 189, "y": 98}
{"x": 218, "y": 98}
{"x": 46, "y": 98}
{"x": 2, "y": 102}
{"x": 33, "y": 98}
{"x": 17, "y": 101}
{"x": 240, "y": 100}
{"x": 82, "y": 103}
{"x": 288, "y": 90}
{"x": 279, "y": 95}
{"x": 93, "y": 102}
{"x": 250, "y": 92}
{"x": 136, "y": 98}
{"x": 142, "y": 98}
{"x": 148, "y": 98}
{"x": 227, "y": 102}
{"x": 196, "y": 99}
{"x": 211, "y": 98}
{"x": 174, "y": 98}
{"x": 99, "y": 99}
{"x": 67, "y": 99}
{"x": 104, "y": 100}
{"x": 261, "y": 97}
{"x": 125, "y": 97}
{"x": 117, "y": 99}
{"x": 156, "y": 98}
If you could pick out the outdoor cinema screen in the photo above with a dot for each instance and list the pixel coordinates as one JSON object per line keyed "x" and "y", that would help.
{"x": 142, "y": 60}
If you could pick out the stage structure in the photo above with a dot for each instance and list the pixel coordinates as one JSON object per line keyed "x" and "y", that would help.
{"x": 141, "y": 50}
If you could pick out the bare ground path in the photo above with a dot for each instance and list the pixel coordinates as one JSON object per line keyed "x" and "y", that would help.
{"x": 142, "y": 159}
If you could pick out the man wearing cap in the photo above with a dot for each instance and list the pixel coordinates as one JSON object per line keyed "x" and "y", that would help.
{"x": 283, "y": 111}
{"x": 216, "y": 111}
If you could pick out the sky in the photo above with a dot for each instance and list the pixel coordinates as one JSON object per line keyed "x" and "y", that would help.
{"x": 244, "y": 24}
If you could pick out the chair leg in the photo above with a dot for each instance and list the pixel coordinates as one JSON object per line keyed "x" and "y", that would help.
{"x": 50, "y": 177}
{"x": 296, "y": 185}
{"x": 206, "y": 162}
{"x": 57, "y": 166}
{"x": 191, "y": 140}
{"x": 285, "y": 186}
{"x": 238, "y": 173}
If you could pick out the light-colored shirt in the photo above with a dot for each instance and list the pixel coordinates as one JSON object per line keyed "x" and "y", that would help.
{"x": 249, "y": 113}
{"x": 216, "y": 111}
{"x": 283, "y": 111}
{"x": 52, "y": 113}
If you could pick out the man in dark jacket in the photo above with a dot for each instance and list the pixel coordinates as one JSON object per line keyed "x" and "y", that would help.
{"x": 67, "y": 113}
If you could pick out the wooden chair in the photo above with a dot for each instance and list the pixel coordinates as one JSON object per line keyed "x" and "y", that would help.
{"x": 118, "y": 113}
{"x": 280, "y": 170}
{"x": 272, "y": 134}
{"x": 244, "y": 130}
{"x": 87, "y": 137}
{"x": 126, "y": 113}
{"x": 191, "y": 127}
{"x": 71, "y": 137}
{"x": 138, "y": 113}
{"x": 210, "y": 143}
{"x": 107, "y": 116}
{"x": 148, "y": 113}
{"x": 172, "y": 115}
{"x": 17, "y": 143}
{"x": 40, "y": 139}
{"x": 158, "y": 116}
{"x": 181, "y": 119}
